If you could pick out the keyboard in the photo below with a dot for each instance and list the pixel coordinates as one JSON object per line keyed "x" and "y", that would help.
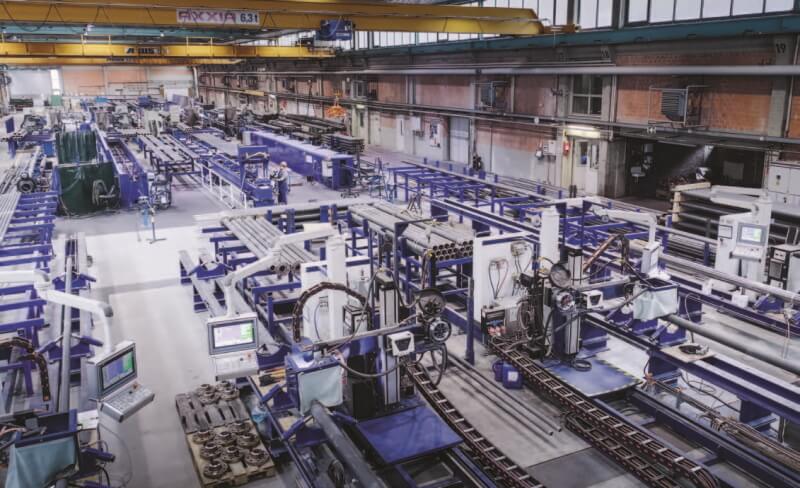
{"x": 238, "y": 365}
{"x": 748, "y": 253}
{"x": 126, "y": 402}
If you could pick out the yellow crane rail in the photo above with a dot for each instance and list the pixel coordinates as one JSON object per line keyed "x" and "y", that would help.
{"x": 275, "y": 14}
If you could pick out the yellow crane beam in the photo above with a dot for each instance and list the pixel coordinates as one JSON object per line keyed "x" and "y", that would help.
{"x": 275, "y": 14}
{"x": 66, "y": 61}
{"x": 150, "y": 51}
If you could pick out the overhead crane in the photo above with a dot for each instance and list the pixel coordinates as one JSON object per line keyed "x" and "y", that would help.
{"x": 49, "y": 53}
{"x": 275, "y": 14}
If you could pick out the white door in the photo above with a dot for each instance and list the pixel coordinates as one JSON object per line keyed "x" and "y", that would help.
{"x": 459, "y": 139}
{"x": 374, "y": 128}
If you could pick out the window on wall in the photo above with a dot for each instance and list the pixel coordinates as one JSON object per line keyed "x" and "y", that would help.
{"x": 552, "y": 12}
{"x": 655, "y": 11}
{"x": 594, "y": 14}
{"x": 587, "y": 95}
{"x": 55, "y": 81}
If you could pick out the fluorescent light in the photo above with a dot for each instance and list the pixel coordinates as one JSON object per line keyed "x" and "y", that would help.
{"x": 587, "y": 132}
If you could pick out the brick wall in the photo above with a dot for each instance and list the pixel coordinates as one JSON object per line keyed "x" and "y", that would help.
{"x": 444, "y": 91}
{"x": 392, "y": 89}
{"x": 736, "y": 104}
{"x": 534, "y": 95}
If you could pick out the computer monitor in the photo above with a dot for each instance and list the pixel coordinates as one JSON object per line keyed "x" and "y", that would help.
{"x": 111, "y": 371}
{"x": 752, "y": 234}
{"x": 232, "y": 334}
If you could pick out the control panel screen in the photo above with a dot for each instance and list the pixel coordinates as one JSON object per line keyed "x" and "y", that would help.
{"x": 233, "y": 335}
{"x": 751, "y": 234}
{"x": 118, "y": 370}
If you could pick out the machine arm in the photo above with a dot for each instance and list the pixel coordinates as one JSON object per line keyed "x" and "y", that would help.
{"x": 41, "y": 283}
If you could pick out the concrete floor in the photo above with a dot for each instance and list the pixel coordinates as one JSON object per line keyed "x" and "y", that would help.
{"x": 141, "y": 281}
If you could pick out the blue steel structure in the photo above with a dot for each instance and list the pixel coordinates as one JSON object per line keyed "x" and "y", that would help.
{"x": 131, "y": 176}
{"x": 33, "y": 132}
{"x": 488, "y": 204}
{"x": 734, "y": 435}
{"x": 334, "y": 170}
{"x": 273, "y": 296}
{"x": 247, "y": 174}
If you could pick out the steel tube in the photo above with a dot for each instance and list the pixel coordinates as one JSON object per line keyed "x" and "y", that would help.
{"x": 734, "y": 342}
{"x": 346, "y": 451}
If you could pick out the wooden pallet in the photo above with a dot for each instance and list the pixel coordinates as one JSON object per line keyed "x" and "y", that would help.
{"x": 196, "y": 416}
{"x": 238, "y": 473}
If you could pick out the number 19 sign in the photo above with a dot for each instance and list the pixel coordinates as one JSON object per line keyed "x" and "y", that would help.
{"x": 218, "y": 17}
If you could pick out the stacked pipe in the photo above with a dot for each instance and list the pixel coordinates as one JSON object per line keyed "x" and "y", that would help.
{"x": 699, "y": 215}
{"x": 259, "y": 236}
{"x": 438, "y": 241}
{"x": 8, "y": 205}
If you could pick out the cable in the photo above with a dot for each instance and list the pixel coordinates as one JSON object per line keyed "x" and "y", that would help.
{"x": 344, "y": 365}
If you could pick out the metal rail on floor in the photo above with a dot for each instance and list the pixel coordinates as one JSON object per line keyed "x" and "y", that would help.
{"x": 646, "y": 457}
{"x": 505, "y": 471}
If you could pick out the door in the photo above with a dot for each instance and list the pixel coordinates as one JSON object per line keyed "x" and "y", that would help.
{"x": 582, "y": 169}
{"x": 374, "y": 128}
{"x": 459, "y": 139}
{"x": 359, "y": 123}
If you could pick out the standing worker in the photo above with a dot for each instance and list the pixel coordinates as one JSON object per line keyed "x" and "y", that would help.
{"x": 281, "y": 178}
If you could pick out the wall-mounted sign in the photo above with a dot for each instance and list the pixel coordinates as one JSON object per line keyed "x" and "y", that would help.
{"x": 144, "y": 51}
{"x": 204, "y": 16}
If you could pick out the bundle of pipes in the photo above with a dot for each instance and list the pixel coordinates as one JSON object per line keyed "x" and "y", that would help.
{"x": 259, "y": 236}
{"x": 439, "y": 241}
{"x": 8, "y": 205}
{"x": 699, "y": 215}
{"x": 21, "y": 168}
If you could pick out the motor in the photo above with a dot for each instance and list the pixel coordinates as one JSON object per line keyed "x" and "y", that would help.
{"x": 160, "y": 190}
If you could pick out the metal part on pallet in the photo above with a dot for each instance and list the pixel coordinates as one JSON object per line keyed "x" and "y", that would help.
{"x": 211, "y": 450}
{"x": 226, "y": 438}
{"x": 256, "y": 457}
{"x": 240, "y": 427}
{"x": 247, "y": 440}
{"x": 203, "y": 436}
{"x": 215, "y": 469}
{"x": 231, "y": 454}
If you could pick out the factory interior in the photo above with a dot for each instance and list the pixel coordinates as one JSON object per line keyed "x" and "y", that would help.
{"x": 400, "y": 244}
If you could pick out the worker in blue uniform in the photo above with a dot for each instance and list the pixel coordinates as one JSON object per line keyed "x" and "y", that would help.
{"x": 281, "y": 178}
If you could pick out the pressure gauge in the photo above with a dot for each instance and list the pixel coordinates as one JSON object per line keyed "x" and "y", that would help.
{"x": 560, "y": 276}
{"x": 439, "y": 331}
{"x": 430, "y": 303}
{"x": 565, "y": 301}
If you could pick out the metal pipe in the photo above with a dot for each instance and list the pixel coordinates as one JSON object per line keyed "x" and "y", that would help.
{"x": 785, "y": 295}
{"x": 66, "y": 342}
{"x": 344, "y": 448}
{"x": 597, "y": 69}
{"x": 514, "y": 401}
{"x": 735, "y": 342}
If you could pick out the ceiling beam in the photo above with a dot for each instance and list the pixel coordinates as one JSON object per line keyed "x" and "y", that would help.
{"x": 274, "y": 14}
{"x": 65, "y": 61}
{"x": 10, "y": 50}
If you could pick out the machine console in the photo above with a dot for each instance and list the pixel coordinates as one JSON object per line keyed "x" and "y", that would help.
{"x": 112, "y": 380}
{"x": 232, "y": 345}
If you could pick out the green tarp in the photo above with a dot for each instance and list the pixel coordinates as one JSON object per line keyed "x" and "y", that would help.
{"x": 75, "y": 185}
{"x": 76, "y": 147}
